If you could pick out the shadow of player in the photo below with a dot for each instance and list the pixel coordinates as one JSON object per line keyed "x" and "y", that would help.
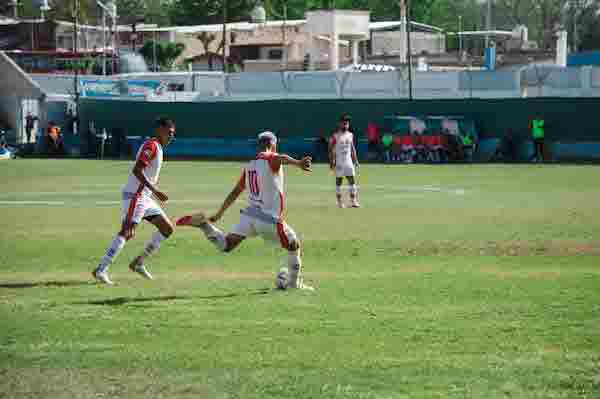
{"x": 39, "y": 284}
{"x": 126, "y": 300}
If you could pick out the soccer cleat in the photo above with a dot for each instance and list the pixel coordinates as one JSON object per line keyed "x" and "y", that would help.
{"x": 195, "y": 220}
{"x": 340, "y": 204}
{"x": 102, "y": 276}
{"x": 355, "y": 204}
{"x": 300, "y": 285}
{"x": 139, "y": 268}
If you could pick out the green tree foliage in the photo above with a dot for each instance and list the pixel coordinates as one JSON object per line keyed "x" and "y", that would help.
{"x": 166, "y": 53}
{"x": 199, "y": 12}
{"x": 589, "y": 32}
{"x": 64, "y": 10}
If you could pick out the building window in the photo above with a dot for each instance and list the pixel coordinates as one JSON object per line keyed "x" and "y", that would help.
{"x": 275, "y": 54}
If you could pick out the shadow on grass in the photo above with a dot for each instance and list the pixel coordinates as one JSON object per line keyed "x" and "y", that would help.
{"x": 38, "y": 284}
{"x": 125, "y": 300}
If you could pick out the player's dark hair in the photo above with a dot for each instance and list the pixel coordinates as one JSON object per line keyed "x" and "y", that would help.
{"x": 162, "y": 121}
{"x": 264, "y": 143}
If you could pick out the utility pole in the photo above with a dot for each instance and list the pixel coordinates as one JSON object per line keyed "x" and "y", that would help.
{"x": 284, "y": 28}
{"x": 488, "y": 23}
{"x": 575, "y": 5}
{"x": 225, "y": 48}
{"x": 459, "y": 37}
{"x": 75, "y": 48}
{"x": 15, "y": 5}
{"x": 408, "y": 51}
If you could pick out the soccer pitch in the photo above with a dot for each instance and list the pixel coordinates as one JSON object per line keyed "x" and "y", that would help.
{"x": 452, "y": 281}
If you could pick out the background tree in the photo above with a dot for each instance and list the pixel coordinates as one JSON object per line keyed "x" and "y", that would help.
{"x": 590, "y": 28}
{"x": 199, "y": 12}
{"x": 64, "y": 10}
{"x": 166, "y": 53}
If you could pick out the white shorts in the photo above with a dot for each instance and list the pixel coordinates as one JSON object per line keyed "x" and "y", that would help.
{"x": 344, "y": 170}
{"x": 277, "y": 233}
{"x": 136, "y": 208}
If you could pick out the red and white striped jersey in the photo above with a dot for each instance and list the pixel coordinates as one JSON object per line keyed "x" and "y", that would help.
{"x": 264, "y": 182}
{"x": 342, "y": 146}
{"x": 151, "y": 155}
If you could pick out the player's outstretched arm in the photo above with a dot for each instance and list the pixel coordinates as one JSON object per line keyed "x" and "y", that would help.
{"x": 229, "y": 200}
{"x": 283, "y": 159}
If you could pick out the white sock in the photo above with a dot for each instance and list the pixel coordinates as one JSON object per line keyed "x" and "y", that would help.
{"x": 215, "y": 236}
{"x": 353, "y": 192}
{"x": 152, "y": 245}
{"x": 294, "y": 265}
{"x": 338, "y": 192}
{"x": 113, "y": 250}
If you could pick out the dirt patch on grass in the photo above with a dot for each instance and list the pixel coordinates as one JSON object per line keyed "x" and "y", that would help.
{"x": 225, "y": 275}
{"x": 494, "y": 248}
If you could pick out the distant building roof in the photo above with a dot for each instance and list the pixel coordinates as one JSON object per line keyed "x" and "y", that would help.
{"x": 7, "y": 21}
{"x": 393, "y": 25}
{"x": 249, "y": 26}
{"x": 500, "y": 34}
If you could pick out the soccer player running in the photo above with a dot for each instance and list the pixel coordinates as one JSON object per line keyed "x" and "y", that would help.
{"x": 264, "y": 215}
{"x": 138, "y": 203}
{"x": 343, "y": 159}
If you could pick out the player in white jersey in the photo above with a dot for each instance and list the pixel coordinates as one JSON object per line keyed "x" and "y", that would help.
{"x": 138, "y": 203}
{"x": 343, "y": 159}
{"x": 262, "y": 178}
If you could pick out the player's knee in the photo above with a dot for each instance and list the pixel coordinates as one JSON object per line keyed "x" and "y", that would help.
{"x": 294, "y": 246}
{"x": 127, "y": 234}
{"x": 167, "y": 231}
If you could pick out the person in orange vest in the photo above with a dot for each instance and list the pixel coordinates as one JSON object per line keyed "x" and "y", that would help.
{"x": 54, "y": 141}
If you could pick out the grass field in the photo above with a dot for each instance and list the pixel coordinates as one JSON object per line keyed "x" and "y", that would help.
{"x": 460, "y": 281}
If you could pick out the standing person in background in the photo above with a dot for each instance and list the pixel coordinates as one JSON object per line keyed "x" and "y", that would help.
{"x": 138, "y": 203}
{"x": 30, "y": 126}
{"x": 343, "y": 159}
{"x": 537, "y": 133}
{"x": 386, "y": 142}
{"x": 54, "y": 140}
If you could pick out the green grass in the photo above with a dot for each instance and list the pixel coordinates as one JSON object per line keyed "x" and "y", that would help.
{"x": 462, "y": 281}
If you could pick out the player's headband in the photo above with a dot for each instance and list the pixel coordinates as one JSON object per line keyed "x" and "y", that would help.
{"x": 267, "y": 136}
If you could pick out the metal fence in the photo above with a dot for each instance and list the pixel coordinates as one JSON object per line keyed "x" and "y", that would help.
{"x": 530, "y": 81}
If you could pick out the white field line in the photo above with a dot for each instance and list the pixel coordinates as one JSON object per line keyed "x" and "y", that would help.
{"x": 295, "y": 187}
{"x": 384, "y": 191}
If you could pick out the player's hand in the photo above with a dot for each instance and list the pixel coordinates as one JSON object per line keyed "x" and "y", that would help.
{"x": 162, "y": 197}
{"x": 214, "y": 218}
{"x": 306, "y": 163}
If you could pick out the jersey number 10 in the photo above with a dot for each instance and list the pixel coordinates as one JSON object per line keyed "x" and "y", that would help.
{"x": 253, "y": 183}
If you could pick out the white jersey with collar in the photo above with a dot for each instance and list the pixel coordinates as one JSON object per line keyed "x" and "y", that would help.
{"x": 342, "y": 143}
{"x": 264, "y": 182}
{"x": 151, "y": 155}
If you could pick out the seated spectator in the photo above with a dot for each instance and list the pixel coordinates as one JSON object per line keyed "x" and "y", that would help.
{"x": 375, "y": 149}
{"x": 408, "y": 149}
{"x": 387, "y": 140}
{"x": 54, "y": 140}
{"x": 468, "y": 147}
{"x": 454, "y": 146}
{"x": 5, "y": 151}
{"x": 507, "y": 150}
{"x": 397, "y": 153}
